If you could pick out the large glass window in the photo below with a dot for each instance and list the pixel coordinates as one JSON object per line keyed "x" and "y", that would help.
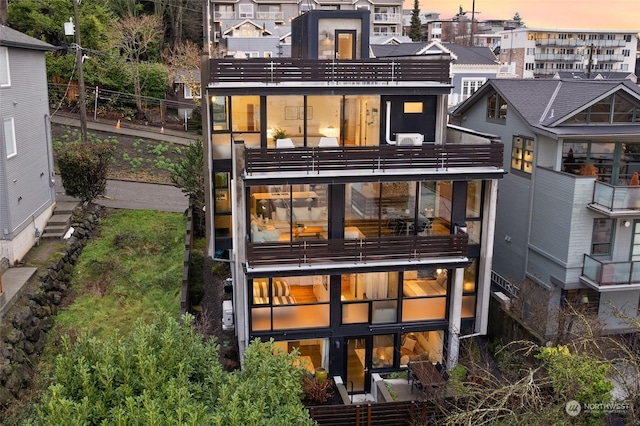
{"x": 424, "y": 294}
{"x": 617, "y": 108}
{"x": 314, "y": 353}
{"x": 288, "y": 212}
{"x": 421, "y": 346}
{"x": 323, "y": 118}
{"x": 381, "y": 288}
{"x": 361, "y": 121}
{"x": 285, "y": 119}
{"x": 283, "y": 303}
{"x": 245, "y": 115}
{"x": 614, "y": 162}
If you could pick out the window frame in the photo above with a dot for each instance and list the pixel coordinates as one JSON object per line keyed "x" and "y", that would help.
{"x": 5, "y": 74}
{"x": 521, "y": 156}
{"x": 495, "y": 112}
{"x": 9, "y": 129}
{"x": 609, "y": 243}
{"x": 472, "y": 84}
{"x": 245, "y": 11}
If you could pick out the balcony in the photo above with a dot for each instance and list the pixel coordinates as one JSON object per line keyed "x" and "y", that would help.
{"x": 277, "y": 16}
{"x": 610, "y": 276}
{"x": 615, "y": 201}
{"x": 337, "y": 253}
{"x": 559, "y": 57}
{"x": 609, "y": 58}
{"x": 387, "y": 17}
{"x": 218, "y": 16}
{"x": 364, "y": 71}
{"x": 305, "y": 161}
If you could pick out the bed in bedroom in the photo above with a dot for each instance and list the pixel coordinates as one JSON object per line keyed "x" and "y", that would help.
{"x": 424, "y": 287}
{"x": 281, "y": 292}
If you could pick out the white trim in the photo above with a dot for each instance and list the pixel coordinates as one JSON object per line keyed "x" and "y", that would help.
{"x": 10, "y": 137}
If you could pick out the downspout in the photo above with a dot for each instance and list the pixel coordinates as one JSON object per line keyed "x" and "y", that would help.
{"x": 387, "y": 124}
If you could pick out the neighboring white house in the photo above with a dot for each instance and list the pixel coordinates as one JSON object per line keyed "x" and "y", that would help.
{"x": 27, "y": 193}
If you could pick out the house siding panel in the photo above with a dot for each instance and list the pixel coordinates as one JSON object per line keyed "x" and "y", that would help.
{"x": 26, "y": 191}
{"x": 561, "y": 225}
{"x": 514, "y": 196}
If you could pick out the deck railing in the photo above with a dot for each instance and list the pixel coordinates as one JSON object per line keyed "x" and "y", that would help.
{"x": 308, "y": 252}
{"x": 387, "y": 157}
{"x": 616, "y": 197}
{"x": 362, "y": 71}
{"x": 611, "y": 273}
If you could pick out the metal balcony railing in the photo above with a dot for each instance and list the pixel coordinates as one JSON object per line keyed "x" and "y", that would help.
{"x": 611, "y": 273}
{"x": 309, "y": 252}
{"x": 363, "y": 71}
{"x": 373, "y": 158}
{"x": 616, "y": 198}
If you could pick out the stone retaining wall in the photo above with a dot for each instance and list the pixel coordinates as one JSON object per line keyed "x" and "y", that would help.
{"x": 25, "y": 325}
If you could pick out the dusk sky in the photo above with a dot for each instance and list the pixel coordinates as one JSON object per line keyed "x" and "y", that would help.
{"x": 587, "y": 14}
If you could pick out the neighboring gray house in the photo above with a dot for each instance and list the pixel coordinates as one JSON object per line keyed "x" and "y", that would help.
{"x": 27, "y": 194}
{"x": 574, "y": 234}
{"x": 470, "y": 66}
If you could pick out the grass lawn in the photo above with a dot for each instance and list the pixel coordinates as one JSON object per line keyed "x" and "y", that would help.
{"x": 132, "y": 270}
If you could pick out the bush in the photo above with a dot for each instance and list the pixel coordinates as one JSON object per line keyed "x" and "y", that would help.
{"x": 83, "y": 169}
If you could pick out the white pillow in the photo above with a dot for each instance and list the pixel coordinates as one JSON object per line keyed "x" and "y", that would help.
{"x": 258, "y": 237}
{"x": 316, "y": 213}
{"x": 301, "y": 214}
{"x": 281, "y": 214}
{"x": 351, "y": 234}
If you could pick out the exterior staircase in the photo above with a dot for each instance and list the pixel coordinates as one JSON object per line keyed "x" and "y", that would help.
{"x": 59, "y": 223}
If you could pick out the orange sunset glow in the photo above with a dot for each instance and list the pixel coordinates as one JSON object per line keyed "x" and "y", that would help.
{"x": 569, "y": 14}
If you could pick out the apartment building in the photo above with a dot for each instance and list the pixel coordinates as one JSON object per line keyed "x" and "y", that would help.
{"x": 358, "y": 224}
{"x": 230, "y": 20}
{"x": 542, "y": 52}
{"x": 568, "y": 215}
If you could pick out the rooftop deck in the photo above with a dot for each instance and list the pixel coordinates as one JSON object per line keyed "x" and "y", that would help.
{"x": 362, "y": 71}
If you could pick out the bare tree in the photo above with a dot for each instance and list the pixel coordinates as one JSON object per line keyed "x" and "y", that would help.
{"x": 184, "y": 66}
{"x": 137, "y": 35}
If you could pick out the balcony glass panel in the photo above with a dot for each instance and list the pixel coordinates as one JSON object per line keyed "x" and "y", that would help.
{"x": 616, "y": 273}
{"x": 591, "y": 269}
{"x": 635, "y": 272}
{"x": 353, "y": 313}
{"x": 424, "y": 309}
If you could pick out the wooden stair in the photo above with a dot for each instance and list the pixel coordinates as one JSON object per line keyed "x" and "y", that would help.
{"x": 60, "y": 221}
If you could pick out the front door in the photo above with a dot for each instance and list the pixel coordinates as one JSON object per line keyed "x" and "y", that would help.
{"x": 346, "y": 44}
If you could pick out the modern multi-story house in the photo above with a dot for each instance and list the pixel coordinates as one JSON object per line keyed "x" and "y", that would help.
{"x": 359, "y": 225}
{"x": 571, "y": 229}
{"x": 27, "y": 193}
{"x": 228, "y": 20}
{"x": 541, "y": 52}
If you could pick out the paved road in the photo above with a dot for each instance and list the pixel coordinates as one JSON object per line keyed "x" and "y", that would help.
{"x": 135, "y": 195}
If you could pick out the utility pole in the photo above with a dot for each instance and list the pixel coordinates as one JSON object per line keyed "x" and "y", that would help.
{"x": 473, "y": 17}
{"x": 590, "y": 63}
{"x": 81, "y": 94}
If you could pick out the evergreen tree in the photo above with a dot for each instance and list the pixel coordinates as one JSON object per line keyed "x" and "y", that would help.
{"x": 415, "y": 34}
{"x": 518, "y": 20}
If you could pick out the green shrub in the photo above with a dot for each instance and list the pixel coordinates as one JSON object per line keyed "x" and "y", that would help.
{"x": 83, "y": 168}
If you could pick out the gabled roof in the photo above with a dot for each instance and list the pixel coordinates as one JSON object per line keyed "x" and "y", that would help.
{"x": 395, "y": 50}
{"x": 471, "y": 55}
{"x": 12, "y": 38}
{"x": 270, "y": 27}
{"x": 547, "y": 103}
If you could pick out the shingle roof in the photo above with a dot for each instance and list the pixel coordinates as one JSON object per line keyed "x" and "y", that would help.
{"x": 12, "y": 38}
{"x": 471, "y": 55}
{"x": 391, "y": 50}
{"x": 546, "y": 103}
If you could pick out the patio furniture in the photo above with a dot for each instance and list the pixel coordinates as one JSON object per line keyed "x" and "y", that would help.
{"x": 425, "y": 373}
